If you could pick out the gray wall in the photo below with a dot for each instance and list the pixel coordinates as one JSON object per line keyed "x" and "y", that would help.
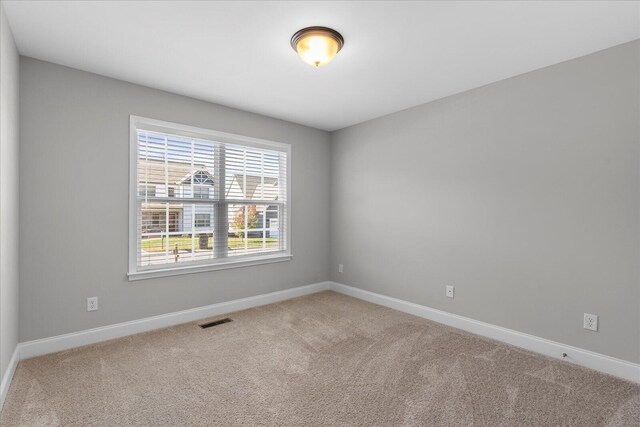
{"x": 523, "y": 194}
{"x": 74, "y": 158}
{"x": 9, "y": 64}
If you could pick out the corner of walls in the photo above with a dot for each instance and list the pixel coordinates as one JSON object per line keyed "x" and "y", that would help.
{"x": 9, "y": 203}
{"x": 332, "y": 182}
{"x": 7, "y": 376}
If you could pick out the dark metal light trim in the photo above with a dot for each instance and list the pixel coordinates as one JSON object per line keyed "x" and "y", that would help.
{"x": 317, "y": 30}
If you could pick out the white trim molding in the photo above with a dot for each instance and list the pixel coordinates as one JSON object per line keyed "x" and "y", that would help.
{"x": 91, "y": 336}
{"x": 8, "y": 375}
{"x": 609, "y": 365}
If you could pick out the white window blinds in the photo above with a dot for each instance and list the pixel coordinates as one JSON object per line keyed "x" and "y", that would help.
{"x": 204, "y": 198}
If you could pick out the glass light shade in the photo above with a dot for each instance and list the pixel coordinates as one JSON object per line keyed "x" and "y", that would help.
{"x": 317, "y": 46}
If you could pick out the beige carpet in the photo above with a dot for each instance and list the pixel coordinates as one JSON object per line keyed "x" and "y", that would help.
{"x": 325, "y": 359}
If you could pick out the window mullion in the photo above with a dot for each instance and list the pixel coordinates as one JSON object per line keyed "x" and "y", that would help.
{"x": 262, "y": 176}
{"x": 166, "y": 232}
{"x": 193, "y": 231}
{"x": 221, "y": 223}
{"x": 264, "y": 213}
{"x": 246, "y": 197}
{"x": 146, "y": 166}
{"x": 166, "y": 183}
{"x": 283, "y": 221}
{"x": 193, "y": 205}
{"x": 246, "y": 227}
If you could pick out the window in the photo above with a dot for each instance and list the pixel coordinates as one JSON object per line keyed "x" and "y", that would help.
{"x": 203, "y": 220}
{"x": 147, "y": 191}
{"x": 225, "y": 203}
{"x": 200, "y": 192}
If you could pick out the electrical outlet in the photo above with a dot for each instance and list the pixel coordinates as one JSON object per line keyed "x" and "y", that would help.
{"x": 340, "y": 268}
{"x": 92, "y": 304}
{"x": 590, "y": 322}
{"x": 450, "y": 290}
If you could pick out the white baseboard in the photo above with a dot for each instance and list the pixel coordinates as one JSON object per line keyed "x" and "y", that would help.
{"x": 589, "y": 359}
{"x": 610, "y": 365}
{"x": 90, "y": 336}
{"x": 8, "y": 375}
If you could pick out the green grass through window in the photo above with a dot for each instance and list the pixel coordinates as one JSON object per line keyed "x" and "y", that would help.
{"x": 184, "y": 243}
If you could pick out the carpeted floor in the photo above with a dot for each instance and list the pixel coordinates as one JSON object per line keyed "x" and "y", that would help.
{"x": 324, "y": 359}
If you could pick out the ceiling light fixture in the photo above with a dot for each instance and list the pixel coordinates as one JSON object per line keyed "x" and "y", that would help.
{"x": 317, "y": 46}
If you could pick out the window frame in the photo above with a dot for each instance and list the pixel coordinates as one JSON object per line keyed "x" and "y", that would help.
{"x": 136, "y": 273}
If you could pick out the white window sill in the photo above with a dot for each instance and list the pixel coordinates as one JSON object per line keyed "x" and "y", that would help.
{"x": 221, "y": 265}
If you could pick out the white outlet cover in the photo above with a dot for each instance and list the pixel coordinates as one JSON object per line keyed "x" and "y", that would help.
{"x": 450, "y": 290}
{"x": 92, "y": 304}
{"x": 590, "y": 322}
{"x": 340, "y": 268}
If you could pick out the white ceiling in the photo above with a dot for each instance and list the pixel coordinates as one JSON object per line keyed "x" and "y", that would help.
{"x": 396, "y": 54}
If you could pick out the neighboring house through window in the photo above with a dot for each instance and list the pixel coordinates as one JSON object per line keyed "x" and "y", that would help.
{"x": 205, "y": 200}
